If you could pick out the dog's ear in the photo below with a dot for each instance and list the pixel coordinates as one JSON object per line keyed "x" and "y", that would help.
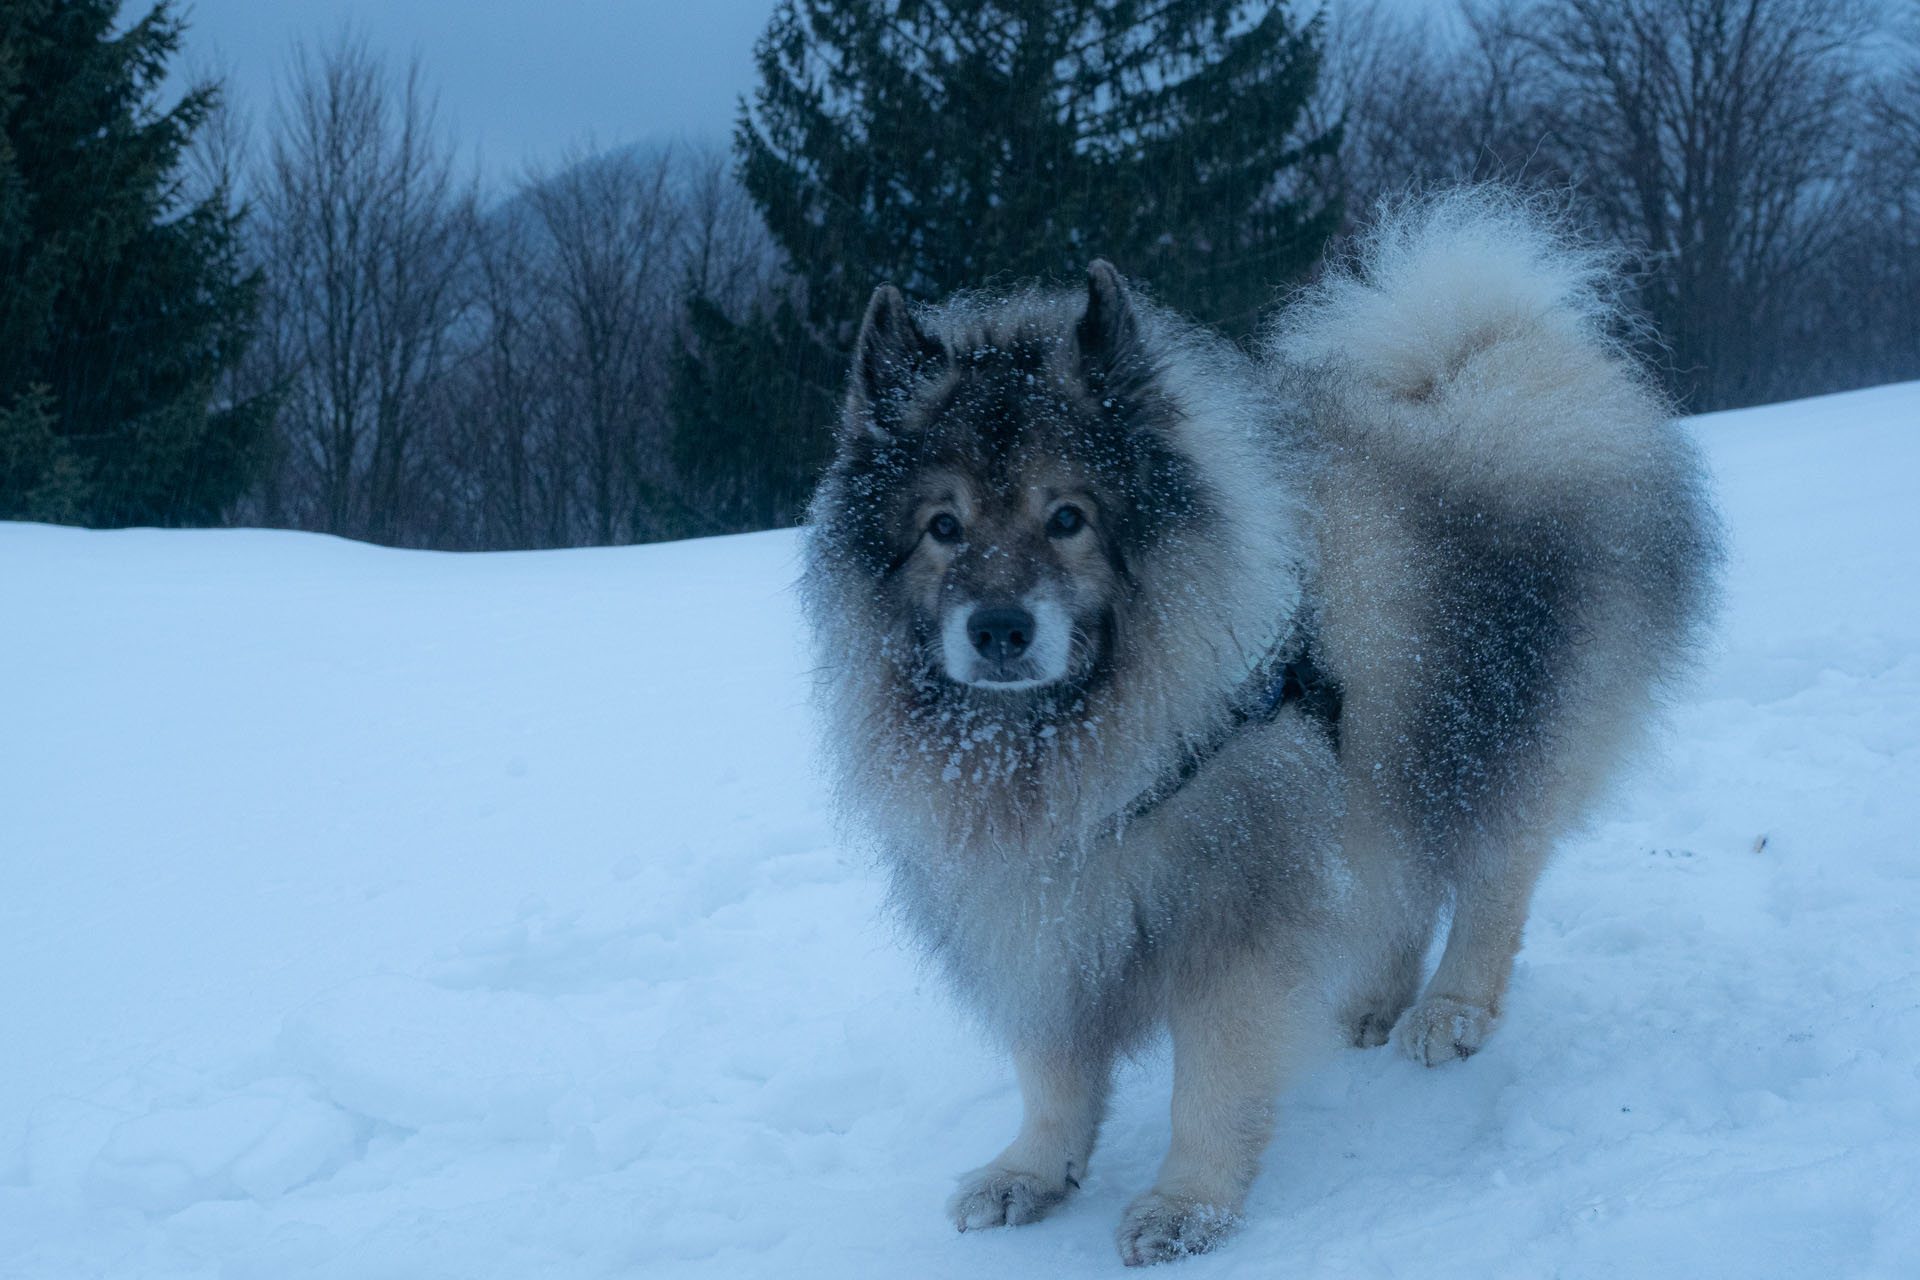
{"x": 891, "y": 356}
{"x": 1109, "y": 333}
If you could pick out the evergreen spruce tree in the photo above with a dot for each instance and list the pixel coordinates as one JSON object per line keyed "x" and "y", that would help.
{"x": 121, "y": 300}
{"x": 942, "y": 144}
{"x": 751, "y": 399}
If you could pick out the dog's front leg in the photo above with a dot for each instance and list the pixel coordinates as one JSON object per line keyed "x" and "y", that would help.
{"x": 1233, "y": 1040}
{"x": 1064, "y": 1094}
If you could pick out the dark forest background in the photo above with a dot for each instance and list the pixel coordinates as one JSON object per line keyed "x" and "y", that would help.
{"x": 312, "y": 320}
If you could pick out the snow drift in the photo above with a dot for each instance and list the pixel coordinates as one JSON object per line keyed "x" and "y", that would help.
{"x": 367, "y": 913}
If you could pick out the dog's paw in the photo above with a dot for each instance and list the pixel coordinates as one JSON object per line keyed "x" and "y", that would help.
{"x": 1161, "y": 1228}
{"x": 1440, "y": 1029}
{"x": 995, "y": 1197}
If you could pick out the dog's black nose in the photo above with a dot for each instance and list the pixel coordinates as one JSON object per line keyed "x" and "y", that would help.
{"x": 1000, "y": 633}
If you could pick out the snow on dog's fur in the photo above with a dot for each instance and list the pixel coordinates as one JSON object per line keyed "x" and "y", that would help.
{"x": 1181, "y": 689}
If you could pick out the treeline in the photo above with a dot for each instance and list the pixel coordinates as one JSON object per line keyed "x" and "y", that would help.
{"x": 1757, "y": 161}
{"x": 322, "y": 325}
{"x": 460, "y": 376}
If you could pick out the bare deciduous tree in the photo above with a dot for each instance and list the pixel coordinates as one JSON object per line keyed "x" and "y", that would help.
{"x": 730, "y": 258}
{"x": 511, "y": 448}
{"x": 609, "y": 235}
{"x": 1727, "y": 145}
{"x": 1431, "y": 97}
{"x": 580, "y": 280}
{"x": 1714, "y": 136}
{"x": 1872, "y": 292}
{"x": 366, "y": 231}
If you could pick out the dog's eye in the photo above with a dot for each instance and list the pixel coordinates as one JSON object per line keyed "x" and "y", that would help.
{"x": 944, "y": 528}
{"x": 1066, "y": 522}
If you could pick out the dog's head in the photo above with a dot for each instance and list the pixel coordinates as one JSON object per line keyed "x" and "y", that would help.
{"x": 1001, "y": 471}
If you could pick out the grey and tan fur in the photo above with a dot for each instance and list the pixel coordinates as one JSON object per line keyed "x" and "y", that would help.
{"x": 1065, "y": 544}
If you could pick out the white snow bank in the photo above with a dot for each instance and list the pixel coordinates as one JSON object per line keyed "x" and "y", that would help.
{"x": 369, "y": 914}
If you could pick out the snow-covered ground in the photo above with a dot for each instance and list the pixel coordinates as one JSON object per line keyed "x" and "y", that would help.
{"x": 376, "y": 914}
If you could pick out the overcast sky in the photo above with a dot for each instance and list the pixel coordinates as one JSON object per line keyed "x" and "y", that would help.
{"x": 520, "y": 80}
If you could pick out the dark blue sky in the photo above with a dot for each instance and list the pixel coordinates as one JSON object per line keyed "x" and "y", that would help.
{"x": 521, "y": 81}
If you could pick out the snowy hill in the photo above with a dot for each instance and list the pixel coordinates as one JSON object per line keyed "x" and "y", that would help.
{"x": 381, "y": 914}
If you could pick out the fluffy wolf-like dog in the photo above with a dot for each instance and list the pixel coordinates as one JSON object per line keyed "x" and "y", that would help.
{"x": 1181, "y": 688}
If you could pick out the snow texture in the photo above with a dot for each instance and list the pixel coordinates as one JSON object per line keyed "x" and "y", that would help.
{"x": 379, "y": 914}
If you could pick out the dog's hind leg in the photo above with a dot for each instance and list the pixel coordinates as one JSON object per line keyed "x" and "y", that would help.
{"x": 1370, "y": 1019}
{"x": 1235, "y": 1042}
{"x": 1064, "y": 1097}
{"x": 1400, "y": 905}
{"x": 1456, "y": 1013}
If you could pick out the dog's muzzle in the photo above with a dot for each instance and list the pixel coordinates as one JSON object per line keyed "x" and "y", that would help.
{"x": 1000, "y": 635}
{"x": 1006, "y": 646}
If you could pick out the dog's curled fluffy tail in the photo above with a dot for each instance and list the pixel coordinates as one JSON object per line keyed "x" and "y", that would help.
{"x": 1472, "y": 318}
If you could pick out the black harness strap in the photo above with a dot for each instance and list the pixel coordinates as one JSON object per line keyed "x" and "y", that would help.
{"x": 1287, "y": 675}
